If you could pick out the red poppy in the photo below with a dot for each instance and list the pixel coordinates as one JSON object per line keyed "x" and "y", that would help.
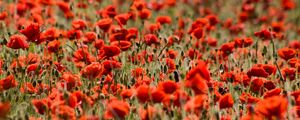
{"x": 289, "y": 73}
{"x": 157, "y": 95}
{"x": 275, "y": 106}
{"x": 70, "y": 81}
{"x": 32, "y": 32}
{"x": 164, "y": 20}
{"x": 4, "y": 109}
{"x": 169, "y": 87}
{"x": 197, "y": 83}
{"x": 286, "y": 53}
{"x": 122, "y": 19}
{"x": 79, "y": 24}
{"x": 99, "y": 44}
{"x": 226, "y": 101}
{"x": 147, "y": 113}
{"x": 257, "y": 71}
{"x": 3, "y": 15}
{"x": 8, "y": 82}
{"x": 127, "y": 93}
{"x": 17, "y": 42}
{"x": 256, "y": 84}
{"x": 74, "y": 34}
{"x": 295, "y": 44}
{"x": 145, "y": 13}
{"x": 64, "y": 112}
{"x": 92, "y": 71}
{"x": 247, "y": 98}
{"x": 123, "y": 45}
{"x": 151, "y": 39}
{"x": 109, "y": 11}
{"x": 53, "y": 46}
{"x": 89, "y": 37}
{"x": 108, "y": 65}
{"x": 109, "y": 51}
{"x": 243, "y": 42}
{"x": 198, "y": 33}
{"x": 171, "y": 65}
{"x": 117, "y": 109}
{"x": 104, "y": 24}
{"x": 274, "y": 92}
{"x": 200, "y": 69}
{"x": 264, "y": 34}
{"x": 227, "y": 48}
{"x": 196, "y": 104}
{"x": 40, "y": 105}
{"x": 143, "y": 93}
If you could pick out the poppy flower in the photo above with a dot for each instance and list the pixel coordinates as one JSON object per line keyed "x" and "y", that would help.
{"x": 147, "y": 113}
{"x": 227, "y": 48}
{"x": 171, "y": 65}
{"x": 64, "y": 112}
{"x": 32, "y": 32}
{"x": 70, "y": 81}
{"x": 28, "y": 88}
{"x": 243, "y": 42}
{"x": 264, "y": 34}
{"x": 164, "y": 20}
{"x": 65, "y": 7}
{"x": 3, "y": 15}
{"x": 275, "y": 106}
{"x": 4, "y": 109}
{"x": 289, "y": 73}
{"x": 200, "y": 69}
{"x": 153, "y": 27}
{"x": 92, "y": 71}
{"x": 256, "y": 84}
{"x": 286, "y": 53}
{"x": 226, "y": 101}
{"x": 145, "y": 14}
{"x": 257, "y": 71}
{"x": 168, "y": 86}
{"x": 74, "y": 34}
{"x": 247, "y": 98}
{"x": 274, "y": 92}
{"x": 151, "y": 39}
{"x": 122, "y": 19}
{"x": 53, "y": 46}
{"x": 137, "y": 72}
{"x": 17, "y": 42}
{"x": 117, "y": 109}
{"x": 82, "y": 55}
{"x": 40, "y": 105}
{"x": 109, "y": 51}
{"x": 295, "y": 44}
{"x": 8, "y": 82}
{"x": 143, "y": 93}
{"x": 104, "y": 24}
{"x": 50, "y": 34}
{"x": 198, "y": 33}
{"x": 89, "y": 37}
{"x": 99, "y": 44}
{"x": 109, "y": 65}
{"x": 157, "y": 95}
{"x": 109, "y": 11}
{"x": 197, "y": 83}
{"x": 196, "y": 104}
{"x": 123, "y": 45}
{"x": 127, "y": 93}
{"x": 79, "y": 24}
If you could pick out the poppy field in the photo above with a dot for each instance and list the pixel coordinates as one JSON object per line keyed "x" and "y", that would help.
{"x": 149, "y": 59}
